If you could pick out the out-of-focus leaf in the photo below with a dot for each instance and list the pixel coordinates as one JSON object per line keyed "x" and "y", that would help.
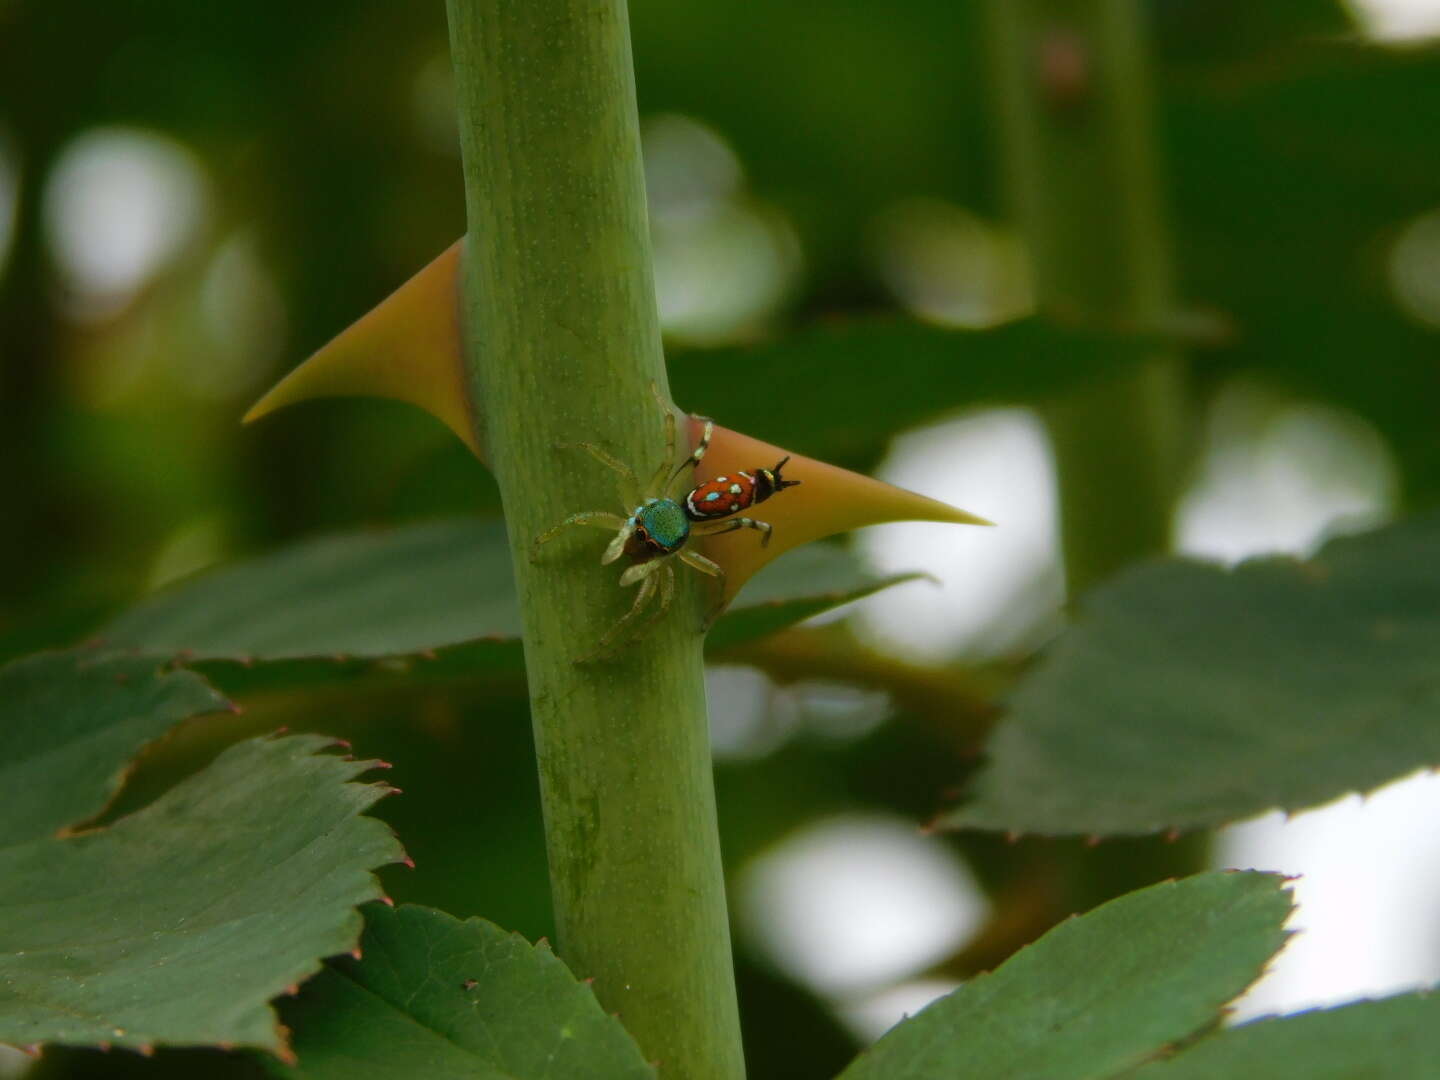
{"x": 363, "y": 595}
{"x": 840, "y": 392}
{"x": 1397, "y": 1038}
{"x": 1189, "y": 695}
{"x": 443, "y": 999}
{"x": 805, "y": 582}
{"x": 1100, "y": 993}
{"x": 1293, "y": 172}
{"x": 443, "y": 587}
{"x": 178, "y": 923}
{"x": 70, "y": 724}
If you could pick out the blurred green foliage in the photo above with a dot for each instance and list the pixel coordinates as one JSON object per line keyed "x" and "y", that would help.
{"x": 1297, "y": 158}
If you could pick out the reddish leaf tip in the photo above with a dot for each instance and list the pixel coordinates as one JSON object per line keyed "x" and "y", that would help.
{"x": 355, "y": 952}
{"x": 146, "y": 1049}
{"x": 1093, "y": 840}
{"x": 387, "y": 901}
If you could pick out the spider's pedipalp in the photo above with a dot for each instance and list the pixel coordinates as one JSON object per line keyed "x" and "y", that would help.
{"x": 616, "y": 547}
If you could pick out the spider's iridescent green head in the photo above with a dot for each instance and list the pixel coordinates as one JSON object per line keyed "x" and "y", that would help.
{"x": 661, "y": 528}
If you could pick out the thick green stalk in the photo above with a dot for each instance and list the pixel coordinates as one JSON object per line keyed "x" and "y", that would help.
{"x": 1073, "y": 101}
{"x": 564, "y": 346}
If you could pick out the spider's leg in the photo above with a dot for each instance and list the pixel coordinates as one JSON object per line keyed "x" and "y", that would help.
{"x": 657, "y": 482}
{"x": 639, "y": 572}
{"x": 706, "y": 566}
{"x": 602, "y": 519}
{"x": 699, "y": 454}
{"x": 617, "y": 546}
{"x": 665, "y": 585}
{"x": 607, "y": 643}
{"x": 762, "y": 527}
{"x": 701, "y": 563}
{"x": 630, "y": 484}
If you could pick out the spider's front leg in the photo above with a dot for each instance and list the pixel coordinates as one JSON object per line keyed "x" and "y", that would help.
{"x": 601, "y": 519}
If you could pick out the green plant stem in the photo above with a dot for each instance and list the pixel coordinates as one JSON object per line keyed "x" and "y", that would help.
{"x": 563, "y": 346}
{"x": 1072, "y": 98}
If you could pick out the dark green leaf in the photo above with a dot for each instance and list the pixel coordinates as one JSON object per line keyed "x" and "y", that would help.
{"x": 1394, "y": 1039}
{"x": 179, "y": 923}
{"x": 442, "y": 999}
{"x": 364, "y": 595}
{"x": 71, "y": 724}
{"x": 1188, "y": 695}
{"x": 1097, "y": 994}
{"x": 325, "y": 610}
{"x": 840, "y": 392}
{"x": 801, "y": 583}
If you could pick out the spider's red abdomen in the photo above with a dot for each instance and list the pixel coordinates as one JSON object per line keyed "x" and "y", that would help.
{"x": 721, "y": 497}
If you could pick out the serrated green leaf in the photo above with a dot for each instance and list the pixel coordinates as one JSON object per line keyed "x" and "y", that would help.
{"x": 1188, "y": 695}
{"x": 443, "y": 999}
{"x": 178, "y": 923}
{"x": 1397, "y": 1038}
{"x": 1100, "y": 993}
{"x": 443, "y": 587}
{"x": 72, "y": 722}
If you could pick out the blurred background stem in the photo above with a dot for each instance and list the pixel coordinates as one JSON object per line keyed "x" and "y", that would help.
{"x": 560, "y": 308}
{"x": 1071, "y": 97}
{"x": 1073, "y": 104}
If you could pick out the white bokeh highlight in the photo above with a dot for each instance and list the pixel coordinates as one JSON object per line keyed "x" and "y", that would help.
{"x": 875, "y": 1014}
{"x": 1368, "y": 896}
{"x": 723, "y": 260}
{"x": 851, "y": 904}
{"x": 1398, "y": 20}
{"x": 1000, "y": 586}
{"x": 1279, "y": 475}
{"x": 119, "y": 204}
